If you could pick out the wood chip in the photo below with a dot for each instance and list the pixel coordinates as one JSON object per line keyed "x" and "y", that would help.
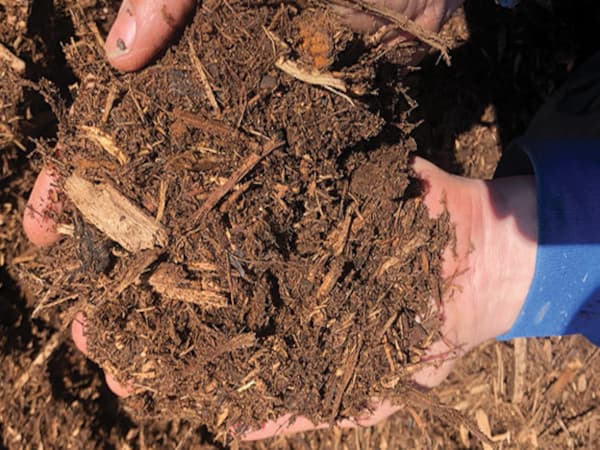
{"x": 162, "y": 200}
{"x": 567, "y": 375}
{"x": 14, "y": 62}
{"x": 170, "y": 281}
{"x": 314, "y": 77}
{"x": 115, "y": 215}
{"x": 134, "y": 269}
{"x": 203, "y": 266}
{"x": 330, "y": 279}
{"x": 105, "y": 141}
{"x": 520, "y": 370}
{"x": 500, "y": 373}
{"x": 339, "y": 236}
{"x": 484, "y": 425}
{"x": 113, "y": 92}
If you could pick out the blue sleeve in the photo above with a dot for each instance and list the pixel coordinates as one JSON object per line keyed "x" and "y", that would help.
{"x": 564, "y": 296}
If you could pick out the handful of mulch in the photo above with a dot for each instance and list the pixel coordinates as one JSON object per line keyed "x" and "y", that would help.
{"x": 245, "y": 237}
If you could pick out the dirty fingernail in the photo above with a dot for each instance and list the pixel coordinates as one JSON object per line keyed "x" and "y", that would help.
{"x": 122, "y": 34}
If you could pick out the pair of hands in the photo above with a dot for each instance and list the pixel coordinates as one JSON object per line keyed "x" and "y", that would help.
{"x": 490, "y": 243}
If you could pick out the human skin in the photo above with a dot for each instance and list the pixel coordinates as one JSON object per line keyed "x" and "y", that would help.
{"x": 490, "y": 268}
{"x": 491, "y": 265}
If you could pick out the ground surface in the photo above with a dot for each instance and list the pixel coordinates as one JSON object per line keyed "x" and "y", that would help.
{"x": 542, "y": 393}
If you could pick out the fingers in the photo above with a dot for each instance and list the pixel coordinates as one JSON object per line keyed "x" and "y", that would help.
{"x": 435, "y": 182}
{"x": 426, "y": 13}
{"x": 118, "y": 389}
{"x": 44, "y": 204}
{"x": 283, "y": 426}
{"x": 78, "y": 333}
{"x": 80, "y": 340}
{"x": 142, "y": 29}
{"x": 288, "y": 424}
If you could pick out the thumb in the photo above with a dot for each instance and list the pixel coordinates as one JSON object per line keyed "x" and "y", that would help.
{"x": 142, "y": 29}
{"x": 44, "y": 203}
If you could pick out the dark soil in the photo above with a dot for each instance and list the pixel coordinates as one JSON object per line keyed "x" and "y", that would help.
{"x": 470, "y": 109}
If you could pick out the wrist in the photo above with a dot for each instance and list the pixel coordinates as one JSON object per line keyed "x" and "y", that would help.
{"x": 509, "y": 247}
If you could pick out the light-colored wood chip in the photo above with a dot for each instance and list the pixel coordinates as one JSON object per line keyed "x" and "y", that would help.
{"x": 105, "y": 141}
{"x": 162, "y": 200}
{"x": 330, "y": 279}
{"x": 53, "y": 343}
{"x": 14, "y": 62}
{"x": 483, "y": 423}
{"x": 311, "y": 76}
{"x": 170, "y": 281}
{"x": 115, "y": 215}
{"x": 520, "y": 358}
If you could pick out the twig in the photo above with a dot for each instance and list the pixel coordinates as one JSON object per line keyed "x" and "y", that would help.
{"x": 520, "y": 370}
{"x": 349, "y": 370}
{"x": 403, "y": 22}
{"x": 16, "y": 63}
{"x": 483, "y": 422}
{"x": 106, "y": 142}
{"x": 207, "y": 125}
{"x": 162, "y": 200}
{"x": 60, "y": 301}
{"x": 110, "y": 100}
{"x": 219, "y": 193}
{"x": 41, "y": 358}
{"x": 203, "y": 78}
{"x": 96, "y": 32}
{"x": 314, "y": 77}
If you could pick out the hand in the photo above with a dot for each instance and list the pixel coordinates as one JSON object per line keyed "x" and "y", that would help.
{"x": 429, "y": 14}
{"x": 482, "y": 212}
{"x": 489, "y": 270}
{"x": 143, "y": 28}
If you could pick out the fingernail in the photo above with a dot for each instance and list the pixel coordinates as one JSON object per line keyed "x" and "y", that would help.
{"x": 122, "y": 34}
